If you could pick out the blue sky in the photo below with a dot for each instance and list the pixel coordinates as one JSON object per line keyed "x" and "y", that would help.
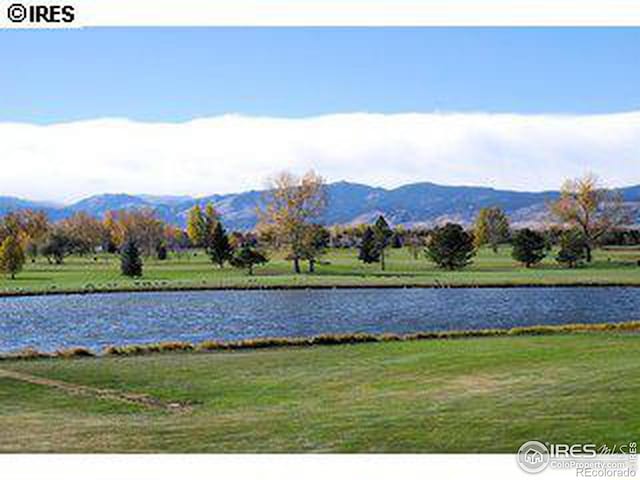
{"x": 180, "y": 74}
{"x": 202, "y": 111}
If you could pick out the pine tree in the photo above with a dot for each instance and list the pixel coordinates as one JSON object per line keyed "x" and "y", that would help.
{"x": 382, "y": 234}
{"x": 12, "y": 256}
{"x": 246, "y": 257}
{"x": 529, "y": 247}
{"x": 369, "y": 252}
{"x": 450, "y": 247}
{"x": 130, "y": 260}
{"x": 218, "y": 247}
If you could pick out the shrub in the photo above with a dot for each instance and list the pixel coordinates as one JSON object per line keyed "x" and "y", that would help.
{"x": 75, "y": 352}
{"x": 26, "y": 354}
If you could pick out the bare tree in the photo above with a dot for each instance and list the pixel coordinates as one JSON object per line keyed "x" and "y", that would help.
{"x": 593, "y": 209}
{"x": 291, "y": 204}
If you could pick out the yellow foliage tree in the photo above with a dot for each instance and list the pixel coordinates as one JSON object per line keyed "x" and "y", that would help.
{"x": 11, "y": 256}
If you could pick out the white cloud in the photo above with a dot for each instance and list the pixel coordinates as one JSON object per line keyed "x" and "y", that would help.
{"x": 230, "y": 153}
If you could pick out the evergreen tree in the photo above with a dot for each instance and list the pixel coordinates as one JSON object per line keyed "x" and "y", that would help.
{"x": 12, "y": 256}
{"x": 246, "y": 257}
{"x": 218, "y": 247}
{"x": 450, "y": 247}
{"x": 130, "y": 260}
{"x": 529, "y": 247}
{"x": 382, "y": 234}
{"x": 369, "y": 252}
{"x": 573, "y": 249}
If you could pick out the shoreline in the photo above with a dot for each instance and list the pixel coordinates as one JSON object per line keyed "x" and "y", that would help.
{"x": 213, "y": 288}
{"x": 260, "y": 343}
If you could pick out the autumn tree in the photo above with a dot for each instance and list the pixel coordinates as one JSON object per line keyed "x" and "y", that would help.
{"x": 491, "y": 228}
{"x": 28, "y": 227}
{"x": 113, "y": 235}
{"x": 594, "y": 210}
{"x": 196, "y": 226}
{"x": 383, "y": 235}
{"x": 11, "y": 256}
{"x": 176, "y": 238}
{"x": 291, "y": 204}
{"x": 143, "y": 226}
{"x": 12, "y": 225}
{"x": 86, "y": 232}
{"x": 201, "y": 224}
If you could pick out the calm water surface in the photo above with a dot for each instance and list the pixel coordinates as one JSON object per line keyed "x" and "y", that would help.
{"x": 97, "y": 320}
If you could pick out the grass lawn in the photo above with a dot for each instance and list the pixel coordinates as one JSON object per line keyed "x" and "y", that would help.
{"x": 340, "y": 268}
{"x": 466, "y": 395}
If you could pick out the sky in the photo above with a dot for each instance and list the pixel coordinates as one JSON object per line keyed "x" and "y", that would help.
{"x": 215, "y": 110}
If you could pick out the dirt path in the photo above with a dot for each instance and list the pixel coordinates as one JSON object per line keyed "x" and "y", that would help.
{"x": 140, "y": 399}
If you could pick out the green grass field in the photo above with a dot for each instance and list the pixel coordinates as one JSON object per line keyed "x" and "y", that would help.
{"x": 340, "y": 268}
{"x": 466, "y": 395}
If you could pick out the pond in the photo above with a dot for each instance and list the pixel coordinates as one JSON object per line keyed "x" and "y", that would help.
{"x": 97, "y": 320}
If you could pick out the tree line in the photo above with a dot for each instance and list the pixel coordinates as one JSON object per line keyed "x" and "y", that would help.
{"x": 291, "y": 222}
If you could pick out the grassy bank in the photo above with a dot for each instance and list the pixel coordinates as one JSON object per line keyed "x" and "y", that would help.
{"x": 462, "y": 395}
{"x": 340, "y": 268}
{"x": 317, "y": 340}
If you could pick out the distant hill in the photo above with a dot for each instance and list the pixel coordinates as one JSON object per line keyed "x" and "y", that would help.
{"x": 349, "y": 203}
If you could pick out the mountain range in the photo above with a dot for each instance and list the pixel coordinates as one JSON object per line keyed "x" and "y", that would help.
{"x": 349, "y": 203}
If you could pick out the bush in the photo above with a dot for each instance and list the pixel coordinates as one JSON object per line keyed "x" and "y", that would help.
{"x": 75, "y": 352}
